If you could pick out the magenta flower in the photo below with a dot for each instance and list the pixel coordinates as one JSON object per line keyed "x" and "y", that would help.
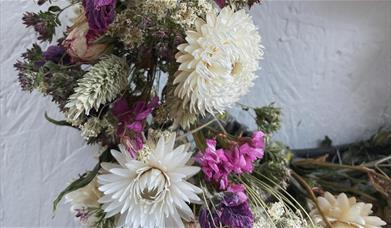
{"x": 220, "y": 3}
{"x": 239, "y": 189}
{"x": 243, "y": 156}
{"x": 130, "y": 126}
{"x": 215, "y": 164}
{"x": 232, "y": 211}
{"x": 100, "y": 14}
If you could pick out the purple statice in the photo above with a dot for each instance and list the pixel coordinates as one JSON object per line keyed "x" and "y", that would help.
{"x": 232, "y": 211}
{"x": 239, "y": 189}
{"x": 56, "y": 54}
{"x": 100, "y": 14}
{"x": 220, "y": 3}
{"x": 242, "y": 156}
{"x": 208, "y": 219}
{"x": 130, "y": 122}
{"x": 215, "y": 164}
{"x": 235, "y": 212}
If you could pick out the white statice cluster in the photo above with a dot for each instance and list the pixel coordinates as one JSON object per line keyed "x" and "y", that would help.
{"x": 218, "y": 62}
{"x": 153, "y": 192}
{"x": 84, "y": 203}
{"x": 160, "y": 8}
{"x": 100, "y": 85}
{"x": 278, "y": 215}
{"x": 95, "y": 126}
{"x": 188, "y": 12}
{"x": 344, "y": 212}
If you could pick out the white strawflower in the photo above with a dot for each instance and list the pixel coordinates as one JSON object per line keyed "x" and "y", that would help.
{"x": 218, "y": 62}
{"x": 342, "y": 211}
{"x": 100, "y": 85}
{"x": 84, "y": 203}
{"x": 153, "y": 192}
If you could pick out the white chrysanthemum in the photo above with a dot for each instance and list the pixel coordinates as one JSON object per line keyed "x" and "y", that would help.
{"x": 150, "y": 193}
{"x": 218, "y": 62}
{"x": 101, "y": 84}
{"x": 84, "y": 202}
{"x": 344, "y": 212}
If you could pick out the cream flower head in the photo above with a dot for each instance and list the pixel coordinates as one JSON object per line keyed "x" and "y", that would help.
{"x": 153, "y": 192}
{"x": 218, "y": 62}
{"x": 344, "y": 212}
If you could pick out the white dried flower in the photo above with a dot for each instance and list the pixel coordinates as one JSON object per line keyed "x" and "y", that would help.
{"x": 84, "y": 201}
{"x": 342, "y": 211}
{"x": 150, "y": 193}
{"x": 100, "y": 85}
{"x": 278, "y": 215}
{"x": 218, "y": 62}
{"x": 92, "y": 128}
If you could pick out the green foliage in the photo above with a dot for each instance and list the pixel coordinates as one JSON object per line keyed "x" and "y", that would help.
{"x": 361, "y": 169}
{"x": 84, "y": 179}
{"x": 268, "y": 118}
{"x": 102, "y": 221}
{"x": 274, "y": 164}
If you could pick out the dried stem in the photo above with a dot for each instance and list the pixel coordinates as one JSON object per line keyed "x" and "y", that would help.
{"x": 312, "y": 196}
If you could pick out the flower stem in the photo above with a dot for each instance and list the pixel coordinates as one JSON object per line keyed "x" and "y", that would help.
{"x": 305, "y": 185}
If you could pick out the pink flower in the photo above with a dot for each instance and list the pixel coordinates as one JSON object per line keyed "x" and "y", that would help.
{"x": 215, "y": 164}
{"x": 131, "y": 119}
{"x": 238, "y": 189}
{"x": 243, "y": 156}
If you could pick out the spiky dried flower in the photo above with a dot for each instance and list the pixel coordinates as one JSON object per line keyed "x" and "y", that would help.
{"x": 100, "y": 85}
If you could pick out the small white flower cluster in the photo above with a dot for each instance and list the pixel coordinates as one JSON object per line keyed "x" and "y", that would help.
{"x": 159, "y": 8}
{"x": 94, "y": 126}
{"x": 188, "y": 12}
{"x": 280, "y": 216}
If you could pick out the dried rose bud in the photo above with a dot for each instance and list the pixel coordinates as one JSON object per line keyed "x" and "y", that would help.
{"x": 77, "y": 44}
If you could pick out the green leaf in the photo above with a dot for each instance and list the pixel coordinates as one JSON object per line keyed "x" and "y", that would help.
{"x": 54, "y": 9}
{"x": 84, "y": 180}
{"x": 58, "y": 122}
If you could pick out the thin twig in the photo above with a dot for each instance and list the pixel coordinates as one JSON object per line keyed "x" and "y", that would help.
{"x": 312, "y": 196}
{"x": 195, "y": 130}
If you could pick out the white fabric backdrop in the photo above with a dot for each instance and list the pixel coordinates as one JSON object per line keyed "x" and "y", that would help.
{"x": 327, "y": 64}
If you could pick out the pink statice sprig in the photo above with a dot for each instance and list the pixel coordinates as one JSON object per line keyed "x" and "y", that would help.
{"x": 238, "y": 158}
